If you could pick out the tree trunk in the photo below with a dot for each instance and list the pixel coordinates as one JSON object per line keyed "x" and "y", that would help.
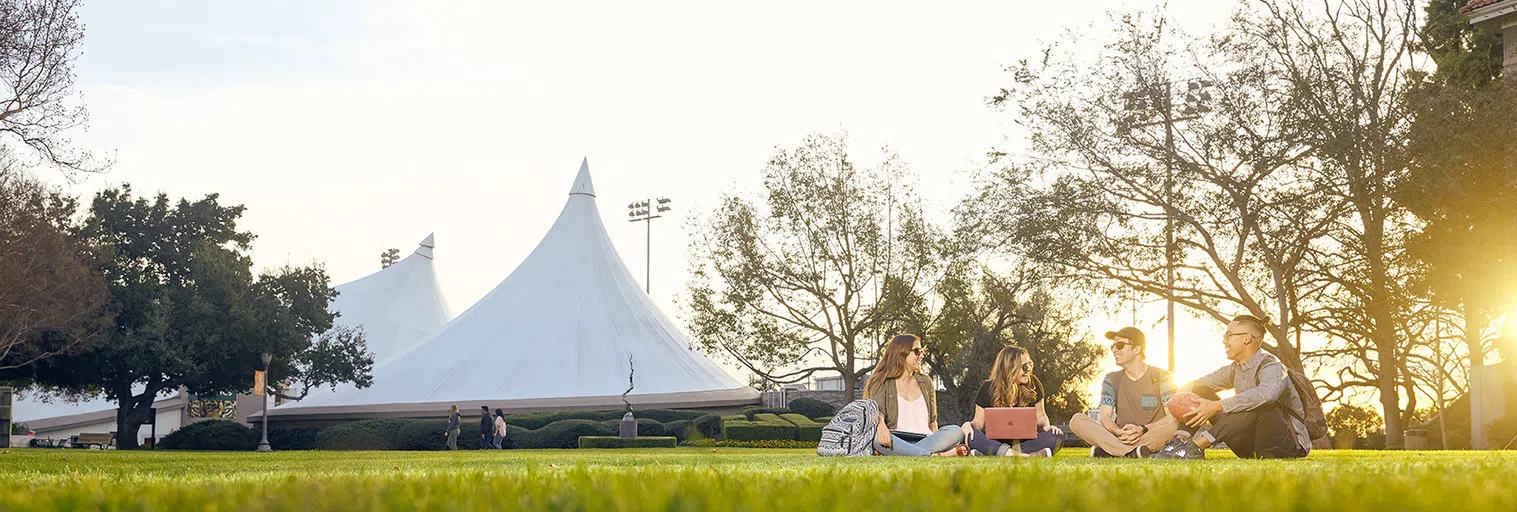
{"x": 1383, "y": 333}
{"x": 1474, "y": 327}
{"x": 131, "y": 413}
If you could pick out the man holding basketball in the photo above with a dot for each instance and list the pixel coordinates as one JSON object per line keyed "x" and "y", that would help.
{"x": 1265, "y": 419}
{"x": 1134, "y": 422}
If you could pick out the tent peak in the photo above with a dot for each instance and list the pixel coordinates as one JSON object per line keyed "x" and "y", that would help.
{"x": 426, "y": 246}
{"x": 582, "y": 183}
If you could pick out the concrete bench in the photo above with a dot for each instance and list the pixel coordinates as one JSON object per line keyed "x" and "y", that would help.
{"x": 101, "y": 440}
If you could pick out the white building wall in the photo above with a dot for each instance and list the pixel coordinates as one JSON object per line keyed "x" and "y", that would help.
{"x": 169, "y": 420}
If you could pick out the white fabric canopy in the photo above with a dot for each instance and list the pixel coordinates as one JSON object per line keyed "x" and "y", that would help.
{"x": 397, "y": 307}
{"x": 562, "y": 325}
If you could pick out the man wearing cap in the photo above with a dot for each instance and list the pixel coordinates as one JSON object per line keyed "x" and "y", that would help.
{"x": 1133, "y": 419}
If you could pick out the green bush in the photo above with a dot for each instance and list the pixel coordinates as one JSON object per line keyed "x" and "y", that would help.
{"x": 666, "y": 415}
{"x": 805, "y": 428}
{"x": 765, "y": 426}
{"x": 288, "y": 439}
{"x": 753, "y": 410}
{"x": 709, "y": 426}
{"x": 811, "y": 407}
{"x": 219, "y": 435}
{"x": 645, "y": 427}
{"x": 636, "y": 442}
{"x": 425, "y": 435}
{"x": 678, "y": 429}
{"x": 824, "y": 420}
{"x": 563, "y": 434}
{"x": 375, "y": 434}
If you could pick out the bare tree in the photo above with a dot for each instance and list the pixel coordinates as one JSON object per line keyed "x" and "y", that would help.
{"x": 39, "y": 41}
{"x": 1346, "y": 63}
{"x": 51, "y": 299}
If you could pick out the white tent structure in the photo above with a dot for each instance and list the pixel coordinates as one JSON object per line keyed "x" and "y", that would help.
{"x": 559, "y": 333}
{"x": 398, "y": 306}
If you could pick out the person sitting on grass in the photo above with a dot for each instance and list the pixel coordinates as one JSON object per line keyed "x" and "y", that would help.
{"x": 1263, "y": 420}
{"x": 1134, "y": 421}
{"x": 908, "y": 404}
{"x": 1012, "y": 384}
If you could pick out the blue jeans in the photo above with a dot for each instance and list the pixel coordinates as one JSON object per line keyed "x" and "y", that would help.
{"x": 988, "y": 446}
{"x": 945, "y": 438}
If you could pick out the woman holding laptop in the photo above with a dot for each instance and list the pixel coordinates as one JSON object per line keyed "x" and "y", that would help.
{"x": 908, "y": 404}
{"x": 1015, "y": 398}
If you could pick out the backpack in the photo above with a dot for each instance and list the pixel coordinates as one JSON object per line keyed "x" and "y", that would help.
{"x": 851, "y": 431}
{"x": 1316, "y": 422}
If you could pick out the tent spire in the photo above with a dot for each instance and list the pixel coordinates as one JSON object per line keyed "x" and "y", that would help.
{"x": 582, "y": 183}
{"x": 426, "y": 246}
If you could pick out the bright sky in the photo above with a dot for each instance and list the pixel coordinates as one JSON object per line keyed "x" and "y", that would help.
{"x": 348, "y": 127}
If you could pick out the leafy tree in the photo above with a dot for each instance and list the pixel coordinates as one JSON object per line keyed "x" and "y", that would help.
{"x": 191, "y": 313}
{"x": 1357, "y": 422}
{"x": 789, "y": 285}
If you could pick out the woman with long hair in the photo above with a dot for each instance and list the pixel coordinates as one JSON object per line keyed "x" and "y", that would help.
{"x": 1012, "y": 384}
{"x": 908, "y": 404}
{"x": 500, "y": 430}
{"x": 451, "y": 435}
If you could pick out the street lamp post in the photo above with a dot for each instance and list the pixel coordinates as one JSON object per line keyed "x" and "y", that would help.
{"x": 263, "y": 446}
{"x": 645, "y": 211}
{"x": 1195, "y": 102}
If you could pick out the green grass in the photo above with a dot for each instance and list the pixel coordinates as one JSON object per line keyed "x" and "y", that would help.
{"x": 743, "y": 480}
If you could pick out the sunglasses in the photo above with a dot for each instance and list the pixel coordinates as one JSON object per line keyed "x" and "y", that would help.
{"x": 1027, "y": 367}
{"x": 917, "y": 351}
{"x": 1120, "y": 345}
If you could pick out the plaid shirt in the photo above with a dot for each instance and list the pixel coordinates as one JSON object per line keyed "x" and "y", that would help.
{"x": 1258, "y": 382}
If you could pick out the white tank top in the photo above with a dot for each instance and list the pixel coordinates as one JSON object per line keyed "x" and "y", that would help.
{"x": 911, "y": 415}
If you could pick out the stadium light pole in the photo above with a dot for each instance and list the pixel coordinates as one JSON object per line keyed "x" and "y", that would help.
{"x": 1150, "y": 103}
{"x": 645, "y": 211}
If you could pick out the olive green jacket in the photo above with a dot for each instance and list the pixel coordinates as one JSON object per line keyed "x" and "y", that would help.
{"x": 886, "y": 399}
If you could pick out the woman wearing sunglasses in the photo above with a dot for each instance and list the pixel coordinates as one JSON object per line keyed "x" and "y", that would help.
{"x": 1012, "y": 384}
{"x": 908, "y": 404}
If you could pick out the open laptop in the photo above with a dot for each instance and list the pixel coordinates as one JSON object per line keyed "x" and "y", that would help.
{"x": 1011, "y": 423}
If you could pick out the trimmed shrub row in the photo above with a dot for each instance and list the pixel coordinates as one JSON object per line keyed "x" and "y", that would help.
{"x": 773, "y": 427}
{"x": 407, "y": 434}
{"x": 617, "y": 442}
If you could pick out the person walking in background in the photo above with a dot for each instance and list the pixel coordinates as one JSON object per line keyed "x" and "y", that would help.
{"x": 500, "y": 429}
{"x": 454, "y": 418}
{"x": 486, "y": 428}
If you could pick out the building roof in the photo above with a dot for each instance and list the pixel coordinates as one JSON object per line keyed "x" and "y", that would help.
{"x": 562, "y": 326}
{"x": 1476, "y": 4}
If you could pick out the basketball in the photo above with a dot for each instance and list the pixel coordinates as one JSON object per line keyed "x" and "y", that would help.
{"x": 1183, "y": 403}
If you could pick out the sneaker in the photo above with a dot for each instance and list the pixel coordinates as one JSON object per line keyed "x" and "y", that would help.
{"x": 1097, "y": 453}
{"x": 1180, "y": 449}
{"x": 1045, "y": 453}
{"x": 1141, "y": 452}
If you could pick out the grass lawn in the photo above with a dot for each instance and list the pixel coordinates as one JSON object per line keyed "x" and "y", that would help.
{"x": 744, "y": 479}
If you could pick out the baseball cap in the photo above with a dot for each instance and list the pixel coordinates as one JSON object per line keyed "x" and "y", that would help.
{"x": 1132, "y": 334}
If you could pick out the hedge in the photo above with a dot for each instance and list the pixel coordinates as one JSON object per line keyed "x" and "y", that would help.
{"x": 636, "y": 442}
{"x": 753, "y": 411}
{"x": 220, "y": 435}
{"x": 765, "y": 426}
{"x": 426, "y": 435}
{"x": 289, "y": 439}
{"x": 709, "y": 426}
{"x": 805, "y": 428}
{"x": 536, "y": 421}
{"x": 375, "y": 434}
{"x": 811, "y": 407}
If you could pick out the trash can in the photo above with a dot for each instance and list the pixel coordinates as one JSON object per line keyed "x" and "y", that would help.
{"x": 1416, "y": 439}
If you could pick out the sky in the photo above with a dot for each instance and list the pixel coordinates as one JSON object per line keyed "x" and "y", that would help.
{"x": 348, "y": 127}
